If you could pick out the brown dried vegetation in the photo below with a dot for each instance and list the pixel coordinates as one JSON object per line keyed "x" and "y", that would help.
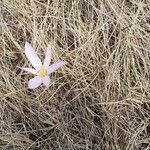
{"x": 101, "y": 99}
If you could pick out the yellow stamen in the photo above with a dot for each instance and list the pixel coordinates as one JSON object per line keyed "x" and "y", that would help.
{"x": 43, "y": 72}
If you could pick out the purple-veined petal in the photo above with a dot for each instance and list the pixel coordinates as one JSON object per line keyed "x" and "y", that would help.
{"x": 34, "y": 82}
{"x": 33, "y": 71}
{"x": 47, "y": 59}
{"x": 32, "y": 56}
{"x": 46, "y": 81}
{"x": 56, "y": 66}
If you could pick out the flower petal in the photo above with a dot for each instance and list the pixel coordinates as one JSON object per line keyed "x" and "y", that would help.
{"x": 56, "y": 66}
{"x": 46, "y": 81}
{"x": 33, "y": 71}
{"x": 34, "y": 82}
{"x": 32, "y": 56}
{"x": 47, "y": 59}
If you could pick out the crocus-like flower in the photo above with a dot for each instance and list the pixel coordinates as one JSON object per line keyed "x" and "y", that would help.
{"x": 41, "y": 70}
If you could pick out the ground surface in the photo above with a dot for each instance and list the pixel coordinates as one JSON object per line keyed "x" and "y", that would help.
{"x": 101, "y": 99}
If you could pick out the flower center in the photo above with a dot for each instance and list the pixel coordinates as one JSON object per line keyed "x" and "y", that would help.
{"x": 43, "y": 72}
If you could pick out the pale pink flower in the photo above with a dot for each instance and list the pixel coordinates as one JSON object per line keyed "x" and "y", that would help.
{"x": 41, "y": 70}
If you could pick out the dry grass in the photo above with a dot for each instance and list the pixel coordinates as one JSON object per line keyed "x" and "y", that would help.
{"x": 101, "y": 99}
